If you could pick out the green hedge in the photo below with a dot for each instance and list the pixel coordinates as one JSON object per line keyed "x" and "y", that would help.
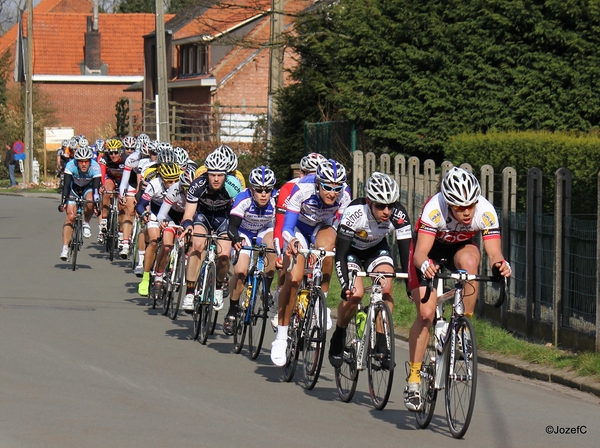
{"x": 545, "y": 150}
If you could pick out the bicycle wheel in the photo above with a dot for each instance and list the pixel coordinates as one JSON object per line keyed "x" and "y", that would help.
{"x": 380, "y": 363}
{"x": 427, "y": 390}
{"x": 167, "y": 289}
{"x": 178, "y": 289}
{"x": 315, "y": 337}
{"x": 292, "y": 350}
{"x": 239, "y": 326}
{"x": 258, "y": 317}
{"x": 74, "y": 245}
{"x": 133, "y": 247}
{"x": 197, "y": 312}
{"x": 461, "y": 378}
{"x": 346, "y": 376}
{"x": 208, "y": 294}
{"x": 113, "y": 232}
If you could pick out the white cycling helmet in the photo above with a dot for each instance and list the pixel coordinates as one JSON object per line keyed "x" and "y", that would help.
{"x": 186, "y": 178}
{"x": 129, "y": 142}
{"x": 310, "y": 162}
{"x": 331, "y": 171}
{"x": 460, "y": 187}
{"x": 64, "y": 143}
{"x": 262, "y": 177}
{"x": 382, "y": 188}
{"x": 83, "y": 142}
{"x": 84, "y": 153}
{"x": 230, "y": 156}
{"x": 218, "y": 161}
{"x": 165, "y": 155}
{"x": 73, "y": 143}
{"x": 181, "y": 157}
{"x": 100, "y": 144}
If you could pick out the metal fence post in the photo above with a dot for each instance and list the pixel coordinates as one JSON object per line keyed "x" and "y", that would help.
{"x": 534, "y": 206}
{"x": 562, "y": 191}
{"x": 509, "y": 207}
{"x": 413, "y": 173}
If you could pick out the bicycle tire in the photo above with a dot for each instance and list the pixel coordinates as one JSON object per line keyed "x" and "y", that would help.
{"x": 239, "y": 325}
{"x": 167, "y": 288}
{"x": 462, "y": 384}
{"x": 197, "y": 312}
{"x": 179, "y": 288}
{"x": 427, "y": 389}
{"x": 315, "y": 338}
{"x": 133, "y": 248}
{"x": 74, "y": 246}
{"x": 292, "y": 350}
{"x": 208, "y": 294}
{"x": 346, "y": 376}
{"x": 380, "y": 376}
{"x": 114, "y": 234}
{"x": 258, "y": 317}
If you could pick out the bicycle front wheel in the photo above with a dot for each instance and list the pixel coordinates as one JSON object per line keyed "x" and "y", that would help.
{"x": 380, "y": 355}
{"x": 208, "y": 294}
{"x": 258, "y": 317}
{"x": 74, "y": 246}
{"x": 239, "y": 327}
{"x": 315, "y": 336}
{"x": 346, "y": 376}
{"x": 178, "y": 289}
{"x": 167, "y": 292}
{"x": 427, "y": 389}
{"x": 292, "y": 350}
{"x": 461, "y": 379}
{"x": 113, "y": 236}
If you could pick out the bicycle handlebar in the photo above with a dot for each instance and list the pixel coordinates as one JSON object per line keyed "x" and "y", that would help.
{"x": 258, "y": 247}
{"x": 462, "y": 276}
{"x": 319, "y": 253}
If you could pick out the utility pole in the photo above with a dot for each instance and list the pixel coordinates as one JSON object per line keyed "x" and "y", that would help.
{"x": 29, "y": 95}
{"x": 162, "y": 129}
{"x": 275, "y": 65}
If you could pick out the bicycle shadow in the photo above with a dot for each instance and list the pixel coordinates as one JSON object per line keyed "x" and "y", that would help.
{"x": 67, "y": 266}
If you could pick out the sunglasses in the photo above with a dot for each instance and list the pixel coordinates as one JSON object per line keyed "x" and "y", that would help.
{"x": 113, "y": 152}
{"x": 459, "y": 208}
{"x": 336, "y": 189}
{"x": 382, "y": 207}
{"x": 263, "y": 190}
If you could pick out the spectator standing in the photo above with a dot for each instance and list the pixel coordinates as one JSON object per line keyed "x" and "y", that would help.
{"x": 9, "y": 163}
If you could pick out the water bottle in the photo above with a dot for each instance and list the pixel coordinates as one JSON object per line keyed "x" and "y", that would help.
{"x": 361, "y": 320}
{"x": 302, "y": 302}
{"x": 248, "y": 295}
{"x": 441, "y": 328}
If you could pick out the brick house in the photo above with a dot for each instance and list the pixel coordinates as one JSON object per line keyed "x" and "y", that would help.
{"x": 84, "y": 71}
{"x": 219, "y": 54}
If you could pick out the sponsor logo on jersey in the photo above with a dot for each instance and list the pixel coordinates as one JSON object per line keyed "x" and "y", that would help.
{"x": 362, "y": 234}
{"x": 399, "y": 216}
{"x": 488, "y": 219}
{"x": 435, "y": 216}
{"x": 352, "y": 218}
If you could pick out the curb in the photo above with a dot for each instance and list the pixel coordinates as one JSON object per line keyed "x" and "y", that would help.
{"x": 533, "y": 371}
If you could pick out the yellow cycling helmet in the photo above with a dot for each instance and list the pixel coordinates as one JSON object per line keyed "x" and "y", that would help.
{"x": 113, "y": 144}
{"x": 169, "y": 171}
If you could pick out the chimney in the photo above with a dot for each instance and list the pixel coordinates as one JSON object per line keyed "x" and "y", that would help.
{"x": 92, "y": 49}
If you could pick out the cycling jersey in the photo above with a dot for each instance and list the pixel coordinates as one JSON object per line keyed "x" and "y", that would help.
{"x": 436, "y": 219}
{"x": 283, "y": 198}
{"x": 65, "y": 155}
{"x": 248, "y": 217}
{"x": 359, "y": 232}
{"x": 79, "y": 182}
{"x": 173, "y": 204}
{"x": 306, "y": 210}
{"x": 129, "y": 182}
{"x": 154, "y": 194}
{"x": 211, "y": 201}
{"x": 111, "y": 170}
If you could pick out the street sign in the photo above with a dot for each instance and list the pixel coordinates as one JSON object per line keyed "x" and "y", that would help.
{"x": 18, "y": 147}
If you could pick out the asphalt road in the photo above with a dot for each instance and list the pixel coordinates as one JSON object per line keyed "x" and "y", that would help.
{"x": 84, "y": 362}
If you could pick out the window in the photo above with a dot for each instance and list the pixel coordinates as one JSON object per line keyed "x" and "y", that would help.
{"x": 201, "y": 59}
{"x": 193, "y": 59}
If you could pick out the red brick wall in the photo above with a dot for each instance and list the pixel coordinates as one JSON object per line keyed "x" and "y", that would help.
{"x": 88, "y": 108}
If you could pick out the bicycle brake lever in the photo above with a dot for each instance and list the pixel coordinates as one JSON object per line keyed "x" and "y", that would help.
{"x": 425, "y": 298}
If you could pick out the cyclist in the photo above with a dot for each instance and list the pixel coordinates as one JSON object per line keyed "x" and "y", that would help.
{"x": 170, "y": 214}
{"x": 63, "y": 155}
{"x": 315, "y": 202}
{"x": 153, "y": 196}
{"x": 361, "y": 242}
{"x": 82, "y": 180}
{"x": 207, "y": 210}
{"x": 112, "y": 164}
{"x": 251, "y": 217}
{"x": 308, "y": 165}
{"x": 449, "y": 221}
